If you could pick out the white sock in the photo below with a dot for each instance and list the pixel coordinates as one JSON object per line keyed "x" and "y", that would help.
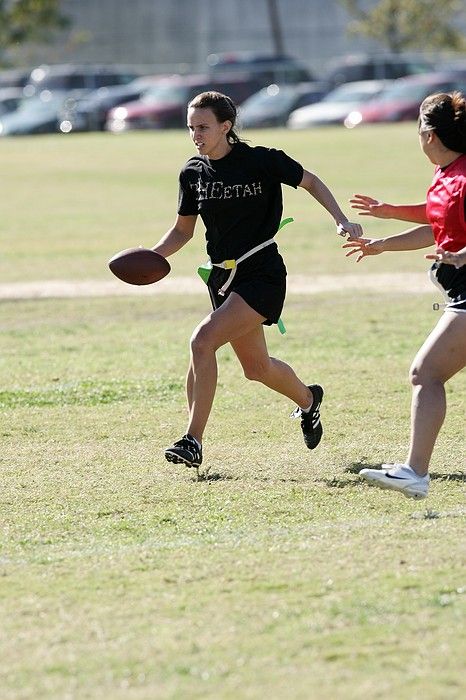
{"x": 413, "y": 470}
{"x": 306, "y": 410}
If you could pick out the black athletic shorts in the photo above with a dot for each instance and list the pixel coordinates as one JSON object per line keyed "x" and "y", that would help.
{"x": 260, "y": 280}
{"x": 452, "y": 282}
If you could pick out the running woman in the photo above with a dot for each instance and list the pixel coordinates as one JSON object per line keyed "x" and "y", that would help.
{"x": 236, "y": 190}
{"x": 442, "y": 136}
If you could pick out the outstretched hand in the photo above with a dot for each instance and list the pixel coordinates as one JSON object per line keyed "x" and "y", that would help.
{"x": 350, "y": 229}
{"x": 364, "y": 246}
{"x": 369, "y": 206}
{"x": 444, "y": 256}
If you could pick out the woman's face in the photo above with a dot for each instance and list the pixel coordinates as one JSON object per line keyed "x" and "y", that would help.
{"x": 209, "y": 135}
{"x": 425, "y": 139}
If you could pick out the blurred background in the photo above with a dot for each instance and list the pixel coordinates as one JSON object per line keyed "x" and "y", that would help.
{"x": 81, "y": 65}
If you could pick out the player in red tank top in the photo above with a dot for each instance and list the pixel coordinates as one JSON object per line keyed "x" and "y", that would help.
{"x": 445, "y": 205}
{"x": 442, "y": 136}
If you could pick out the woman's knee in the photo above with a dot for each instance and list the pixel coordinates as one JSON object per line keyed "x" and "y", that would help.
{"x": 442, "y": 354}
{"x": 424, "y": 373}
{"x": 256, "y": 370}
{"x": 201, "y": 341}
{"x": 414, "y": 375}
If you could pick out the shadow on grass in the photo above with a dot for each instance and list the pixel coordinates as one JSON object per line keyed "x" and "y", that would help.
{"x": 455, "y": 476}
{"x": 215, "y": 476}
{"x": 282, "y": 479}
{"x": 333, "y": 482}
{"x": 338, "y": 483}
{"x": 356, "y": 467}
{"x": 211, "y": 477}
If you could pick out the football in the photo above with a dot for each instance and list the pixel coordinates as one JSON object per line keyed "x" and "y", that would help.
{"x": 139, "y": 266}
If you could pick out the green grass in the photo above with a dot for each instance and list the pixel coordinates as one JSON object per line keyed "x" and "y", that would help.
{"x": 75, "y": 200}
{"x": 123, "y": 577}
{"x": 282, "y": 574}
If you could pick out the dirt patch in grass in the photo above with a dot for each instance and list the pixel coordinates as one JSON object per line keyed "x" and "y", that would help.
{"x": 403, "y": 282}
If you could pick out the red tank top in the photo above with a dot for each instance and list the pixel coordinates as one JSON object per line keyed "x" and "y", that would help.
{"x": 445, "y": 205}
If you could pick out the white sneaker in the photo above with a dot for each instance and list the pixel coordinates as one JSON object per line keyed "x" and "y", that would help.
{"x": 399, "y": 477}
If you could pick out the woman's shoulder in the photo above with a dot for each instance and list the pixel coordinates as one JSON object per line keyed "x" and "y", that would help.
{"x": 257, "y": 152}
{"x": 455, "y": 170}
{"x": 194, "y": 164}
{"x": 462, "y": 164}
{"x": 247, "y": 148}
{"x": 194, "y": 160}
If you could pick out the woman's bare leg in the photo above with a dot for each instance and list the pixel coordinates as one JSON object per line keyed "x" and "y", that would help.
{"x": 442, "y": 355}
{"x": 229, "y": 322}
{"x": 251, "y": 350}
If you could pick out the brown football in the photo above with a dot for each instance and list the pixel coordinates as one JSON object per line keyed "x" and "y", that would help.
{"x": 139, "y": 266}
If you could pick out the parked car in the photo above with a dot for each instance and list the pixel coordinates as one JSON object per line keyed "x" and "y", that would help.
{"x": 35, "y": 115}
{"x": 384, "y": 67}
{"x": 272, "y": 105}
{"x": 9, "y": 99}
{"x": 401, "y": 101}
{"x": 73, "y": 77}
{"x": 14, "y": 77}
{"x": 90, "y": 112}
{"x": 265, "y": 68}
{"x": 452, "y": 64}
{"x": 164, "y": 105}
{"x": 336, "y": 105}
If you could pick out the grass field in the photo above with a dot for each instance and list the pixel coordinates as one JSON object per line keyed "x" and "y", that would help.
{"x": 71, "y": 202}
{"x": 282, "y": 574}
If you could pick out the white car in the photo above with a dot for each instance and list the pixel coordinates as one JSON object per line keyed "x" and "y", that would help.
{"x": 337, "y": 104}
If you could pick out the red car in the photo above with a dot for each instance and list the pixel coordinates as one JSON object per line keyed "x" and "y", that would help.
{"x": 164, "y": 105}
{"x": 401, "y": 101}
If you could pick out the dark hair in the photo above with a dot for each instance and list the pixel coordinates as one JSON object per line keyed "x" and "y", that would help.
{"x": 222, "y": 106}
{"x": 446, "y": 116}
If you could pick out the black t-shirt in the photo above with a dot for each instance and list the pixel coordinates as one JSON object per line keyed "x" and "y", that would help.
{"x": 239, "y": 197}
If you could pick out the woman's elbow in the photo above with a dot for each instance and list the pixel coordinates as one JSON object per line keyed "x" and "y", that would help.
{"x": 309, "y": 181}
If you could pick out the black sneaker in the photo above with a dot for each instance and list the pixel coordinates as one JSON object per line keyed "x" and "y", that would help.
{"x": 310, "y": 421}
{"x": 185, "y": 451}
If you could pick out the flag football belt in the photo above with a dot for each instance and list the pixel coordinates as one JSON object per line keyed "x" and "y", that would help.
{"x": 450, "y": 301}
{"x": 232, "y": 265}
{"x": 205, "y": 270}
